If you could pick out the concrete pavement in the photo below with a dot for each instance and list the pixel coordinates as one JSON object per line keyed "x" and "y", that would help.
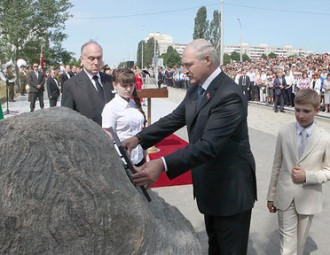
{"x": 263, "y": 127}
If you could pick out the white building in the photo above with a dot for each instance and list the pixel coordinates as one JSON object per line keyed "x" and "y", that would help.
{"x": 254, "y": 52}
{"x": 257, "y": 51}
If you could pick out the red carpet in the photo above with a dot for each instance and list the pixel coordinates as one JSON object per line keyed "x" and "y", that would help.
{"x": 167, "y": 146}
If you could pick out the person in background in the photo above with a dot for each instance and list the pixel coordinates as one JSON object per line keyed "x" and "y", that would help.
{"x": 36, "y": 80}
{"x": 288, "y": 89}
{"x": 304, "y": 82}
{"x": 223, "y": 168}
{"x": 279, "y": 88}
{"x": 269, "y": 88}
{"x": 124, "y": 114}
{"x": 326, "y": 91}
{"x": 22, "y": 74}
{"x": 138, "y": 79}
{"x": 89, "y": 91}
{"x": 301, "y": 165}
{"x": 10, "y": 81}
{"x": 65, "y": 75}
{"x": 53, "y": 86}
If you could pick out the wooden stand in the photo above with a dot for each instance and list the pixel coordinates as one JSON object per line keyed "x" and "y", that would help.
{"x": 152, "y": 93}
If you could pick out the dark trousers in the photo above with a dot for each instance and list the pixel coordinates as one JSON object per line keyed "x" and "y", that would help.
{"x": 228, "y": 235}
{"x": 246, "y": 92}
{"x": 288, "y": 97}
{"x": 33, "y": 99}
{"x": 280, "y": 98}
{"x": 53, "y": 101}
{"x": 11, "y": 90}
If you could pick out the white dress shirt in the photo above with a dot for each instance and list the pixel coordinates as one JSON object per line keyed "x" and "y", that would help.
{"x": 126, "y": 120}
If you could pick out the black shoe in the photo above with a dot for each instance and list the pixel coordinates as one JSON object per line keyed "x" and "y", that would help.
{"x": 282, "y": 111}
{"x": 275, "y": 110}
{"x": 31, "y": 110}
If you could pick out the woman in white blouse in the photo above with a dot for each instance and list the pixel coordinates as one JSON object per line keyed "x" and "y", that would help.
{"x": 124, "y": 114}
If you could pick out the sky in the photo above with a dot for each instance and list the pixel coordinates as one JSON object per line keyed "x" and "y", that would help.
{"x": 118, "y": 26}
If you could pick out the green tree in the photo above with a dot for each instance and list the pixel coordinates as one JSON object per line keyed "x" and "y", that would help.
{"x": 226, "y": 59}
{"x": 272, "y": 55}
{"x": 201, "y": 24}
{"x": 245, "y": 57}
{"x": 29, "y": 26}
{"x": 263, "y": 56}
{"x": 214, "y": 30}
{"x": 171, "y": 57}
{"x": 150, "y": 49}
{"x": 235, "y": 56}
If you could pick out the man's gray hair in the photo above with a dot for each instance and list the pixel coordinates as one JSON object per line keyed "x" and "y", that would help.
{"x": 88, "y": 43}
{"x": 204, "y": 48}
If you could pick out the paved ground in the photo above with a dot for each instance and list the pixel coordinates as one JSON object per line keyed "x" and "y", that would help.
{"x": 263, "y": 127}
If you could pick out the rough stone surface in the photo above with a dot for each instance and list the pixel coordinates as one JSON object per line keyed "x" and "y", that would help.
{"x": 63, "y": 191}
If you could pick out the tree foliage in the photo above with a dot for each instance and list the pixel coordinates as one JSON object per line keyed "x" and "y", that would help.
{"x": 171, "y": 57}
{"x": 214, "y": 30}
{"x": 245, "y": 57}
{"x": 272, "y": 55}
{"x": 201, "y": 24}
{"x": 29, "y": 26}
{"x": 226, "y": 59}
{"x": 235, "y": 56}
{"x": 150, "y": 50}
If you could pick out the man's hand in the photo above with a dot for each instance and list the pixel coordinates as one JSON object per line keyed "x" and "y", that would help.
{"x": 271, "y": 207}
{"x": 148, "y": 173}
{"x": 298, "y": 174}
{"x": 130, "y": 143}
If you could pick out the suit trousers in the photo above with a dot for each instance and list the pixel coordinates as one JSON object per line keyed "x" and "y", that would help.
{"x": 53, "y": 101}
{"x": 228, "y": 235}
{"x": 294, "y": 229}
{"x": 33, "y": 99}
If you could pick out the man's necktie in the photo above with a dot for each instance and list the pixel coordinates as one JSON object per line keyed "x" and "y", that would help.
{"x": 200, "y": 93}
{"x": 302, "y": 142}
{"x": 244, "y": 81}
{"x": 99, "y": 87}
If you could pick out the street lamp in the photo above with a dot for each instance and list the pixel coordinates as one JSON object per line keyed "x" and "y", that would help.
{"x": 142, "y": 42}
{"x": 240, "y": 47}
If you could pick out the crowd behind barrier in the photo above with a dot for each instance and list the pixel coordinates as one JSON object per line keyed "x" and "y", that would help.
{"x": 299, "y": 73}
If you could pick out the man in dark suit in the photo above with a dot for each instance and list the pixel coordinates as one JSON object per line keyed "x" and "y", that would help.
{"x": 36, "y": 80}
{"x": 223, "y": 167}
{"x": 279, "y": 90}
{"x": 88, "y": 91}
{"x": 65, "y": 75}
{"x": 52, "y": 86}
{"x": 244, "y": 82}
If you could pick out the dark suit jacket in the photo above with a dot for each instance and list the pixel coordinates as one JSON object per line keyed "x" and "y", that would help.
{"x": 80, "y": 95}
{"x": 52, "y": 88}
{"x": 223, "y": 167}
{"x": 34, "y": 81}
{"x": 247, "y": 81}
{"x": 63, "y": 78}
{"x": 277, "y": 84}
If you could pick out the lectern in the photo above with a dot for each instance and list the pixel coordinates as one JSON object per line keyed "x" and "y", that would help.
{"x": 152, "y": 93}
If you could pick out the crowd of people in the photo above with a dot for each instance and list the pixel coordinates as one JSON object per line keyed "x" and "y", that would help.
{"x": 257, "y": 78}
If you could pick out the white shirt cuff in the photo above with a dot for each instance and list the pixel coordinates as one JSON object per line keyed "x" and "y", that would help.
{"x": 164, "y": 162}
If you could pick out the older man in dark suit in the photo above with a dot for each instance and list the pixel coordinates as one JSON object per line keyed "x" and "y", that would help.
{"x": 223, "y": 168}
{"x": 88, "y": 91}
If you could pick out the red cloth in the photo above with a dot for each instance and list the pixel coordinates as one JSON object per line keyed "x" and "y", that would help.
{"x": 138, "y": 83}
{"x": 167, "y": 146}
